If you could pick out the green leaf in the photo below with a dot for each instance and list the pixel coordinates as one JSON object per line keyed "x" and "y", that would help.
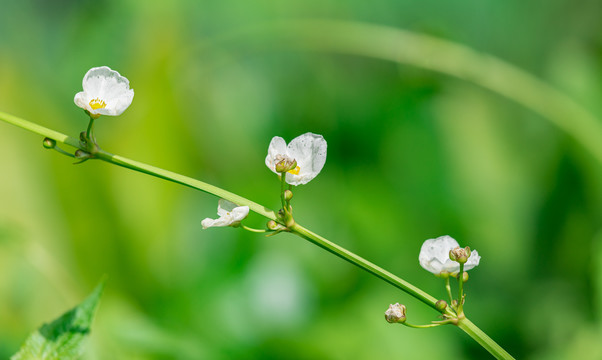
{"x": 63, "y": 338}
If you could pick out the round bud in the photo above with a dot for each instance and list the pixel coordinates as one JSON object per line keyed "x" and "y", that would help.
{"x": 272, "y": 225}
{"x": 464, "y": 276}
{"x": 441, "y": 305}
{"x": 49, "y": 143}
{"x": 288, "y": 195}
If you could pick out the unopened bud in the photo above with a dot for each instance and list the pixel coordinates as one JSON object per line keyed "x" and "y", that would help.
{"x": 396, "y": 313}
{"x": 288, "y": 195}
{"x": 455, "y": 304}
{"x": 441, "y": 305}
{"x": 464, "y": 276}
{"x": 285, "y": 163}
{"x": 49, "y": 143}
{"x": 272, "y": 225}
{"x": 460, "y": 255}
{"x": 443, "y": 274}
{"x": 80, "y": 154}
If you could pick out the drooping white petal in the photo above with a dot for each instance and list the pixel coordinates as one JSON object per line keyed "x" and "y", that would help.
{"x": 229, "y": 214}
{"x": 309, "y": 150}
{"x": 277, "y": 147}
{"x": 434, "y": 256}
{"x": 106, "y": 92}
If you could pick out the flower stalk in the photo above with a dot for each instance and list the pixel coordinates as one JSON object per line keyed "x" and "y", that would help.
{"x": 464, "y": 324}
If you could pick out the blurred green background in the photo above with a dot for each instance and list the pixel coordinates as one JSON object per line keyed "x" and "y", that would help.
{"x": 413, "y": 154}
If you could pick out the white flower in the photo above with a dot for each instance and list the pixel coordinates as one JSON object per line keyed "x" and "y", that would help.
{"x": 434, "y": 256}
{"x": 309, "y": 150}
{"x": 105, "y": 92}
{"x": 229, "y": 215}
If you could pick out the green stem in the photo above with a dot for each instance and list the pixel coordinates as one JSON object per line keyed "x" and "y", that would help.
{"x": 282, "y": 188}
{"x": 448, "y": 288}
{"x": 483, "y": 339}
{"x": 318, "y": 240}
{"x": 364, "y": 264}
{"x": 90, "y": 129}
{"x": 252, "y": 229}
{"x": 461, "y": 290}
{"x": 420, "y": 326}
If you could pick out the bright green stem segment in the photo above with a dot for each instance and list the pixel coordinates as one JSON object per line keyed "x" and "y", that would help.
{"x": 297, "y": 229}
{"x": 483, "y": 339}
{"x": 364, "y": 264}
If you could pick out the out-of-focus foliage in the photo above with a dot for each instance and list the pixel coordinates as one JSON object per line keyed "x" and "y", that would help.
{"x": 412, "y": 155}
{"x": 63, "y": 338}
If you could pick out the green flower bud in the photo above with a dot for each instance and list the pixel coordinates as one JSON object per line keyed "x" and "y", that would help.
{"x": 272, "y": 225}
{"x": 464, "y": 276}
{"x": 441, "y": 305}
{"x": 288, "y": 195}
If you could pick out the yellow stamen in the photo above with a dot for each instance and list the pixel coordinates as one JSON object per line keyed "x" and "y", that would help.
{"x": 97, "y": 104}
{"x": 295, "y": 171}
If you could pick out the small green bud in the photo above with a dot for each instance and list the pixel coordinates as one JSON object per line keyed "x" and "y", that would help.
{"x": 272, "y": 225}
{"x": 49, "y": 143}
{"x": 441, "y": 305}
{"x": 443, "y": 274}
{"x": 455, "y": 304}
{"x": 464, "y": 276}
{"x": 80, "y": 154}
{"x": 288, "y": 195}
{"x": 396, "y": 313}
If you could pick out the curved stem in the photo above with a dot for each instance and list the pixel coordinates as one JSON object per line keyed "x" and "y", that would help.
{"x": 297, "y": 229}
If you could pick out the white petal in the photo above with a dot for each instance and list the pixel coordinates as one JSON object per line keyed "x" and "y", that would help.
{"x": 277, "y": 147}
{"x": 82, "y": 100}
{"x": 229, "y": 213}
{"x": 434, "y": 255}
{"x": 473, "y": 260}
{"x": 239, "y": 213}
{"x": 224, "y": 207}
{"x": 310, "y": 152}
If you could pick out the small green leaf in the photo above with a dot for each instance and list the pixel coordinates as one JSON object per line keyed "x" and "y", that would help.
{"x": 63, "y": 338}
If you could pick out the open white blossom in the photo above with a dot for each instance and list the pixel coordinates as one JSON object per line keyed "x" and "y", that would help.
{"x": 105, "y": 92}
{"x": 308, "y": 150}
{"x": 434, "y": 256}
{"x": 229, "y": 213}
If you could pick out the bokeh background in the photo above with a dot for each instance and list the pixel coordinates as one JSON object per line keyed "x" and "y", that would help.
{"x": 413, "y": 154}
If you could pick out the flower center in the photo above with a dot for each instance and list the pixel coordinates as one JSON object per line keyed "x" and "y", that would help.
{"x": 97, "y": 104}
{"x": 295, "y": 171}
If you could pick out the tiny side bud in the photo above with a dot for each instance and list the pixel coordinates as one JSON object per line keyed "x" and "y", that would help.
{"x": 272, "y": 225}
{"x": 464, "y": 276}
{"x": 441, "y": 305}
{"x": 396, "y": 313}
{"x": 288, "y": 195}
{"x": 49, "y": 143}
